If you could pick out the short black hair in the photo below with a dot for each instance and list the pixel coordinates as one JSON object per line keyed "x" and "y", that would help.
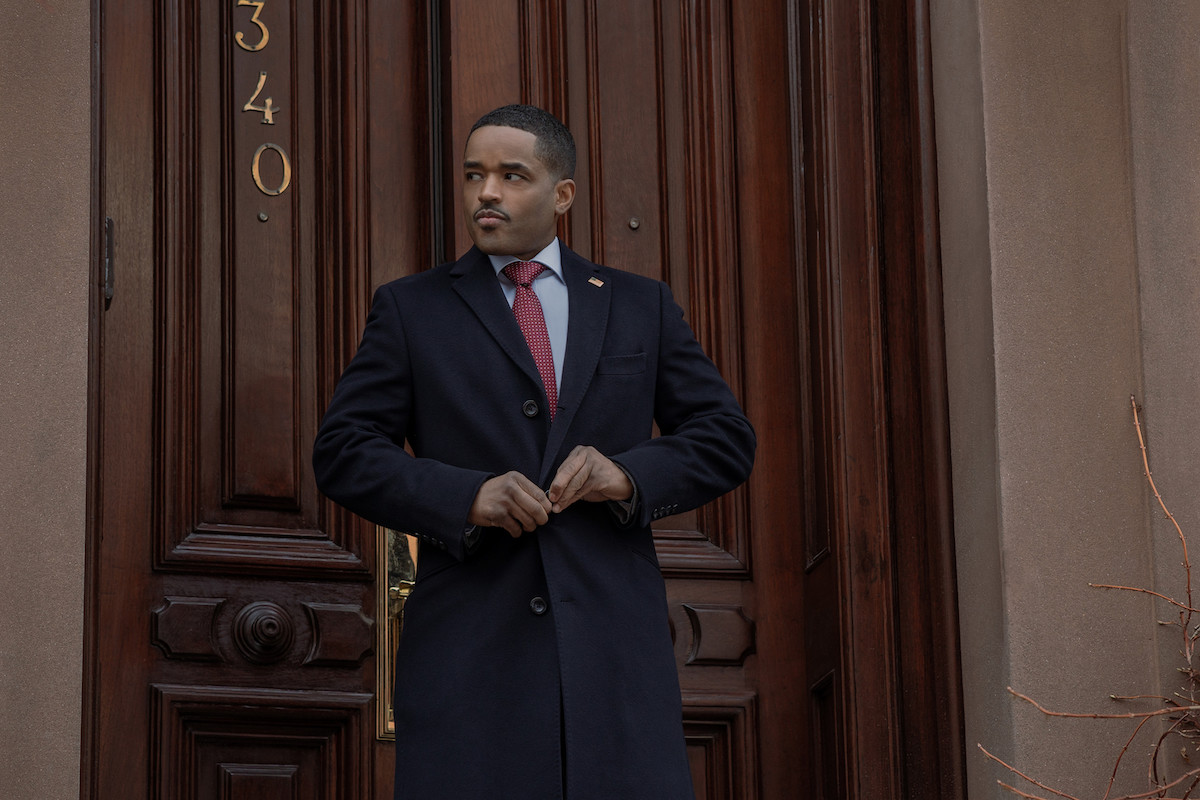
{"x": 555, "y": 144}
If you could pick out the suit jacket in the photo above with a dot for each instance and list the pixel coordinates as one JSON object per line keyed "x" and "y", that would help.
{"x": 542, "y": 663}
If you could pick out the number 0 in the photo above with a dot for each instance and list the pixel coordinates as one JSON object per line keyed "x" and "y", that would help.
{"x": 287, "y": 169}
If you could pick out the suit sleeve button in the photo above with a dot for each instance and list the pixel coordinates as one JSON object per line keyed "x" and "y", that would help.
{"x": 538, "y": 606}
{"x": 530, "y": 408}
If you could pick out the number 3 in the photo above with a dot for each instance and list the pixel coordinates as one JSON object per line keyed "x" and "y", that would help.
{"x": 240, "y": 39}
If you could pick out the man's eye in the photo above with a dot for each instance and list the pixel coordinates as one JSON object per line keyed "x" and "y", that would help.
{"x": 472, "y": 176}
{"x": 513, "y": 176}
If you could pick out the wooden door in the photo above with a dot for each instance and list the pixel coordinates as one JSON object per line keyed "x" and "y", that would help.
{"x": 266, "y": 164}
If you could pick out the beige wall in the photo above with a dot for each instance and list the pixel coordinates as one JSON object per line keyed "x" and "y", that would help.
{"x": 1164, "y": 73}
{"x": 45, "y": 172}
{"x": 1066, "y": 137}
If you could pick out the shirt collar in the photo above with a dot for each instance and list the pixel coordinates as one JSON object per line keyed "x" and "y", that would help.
{"x": 550, "y": 256}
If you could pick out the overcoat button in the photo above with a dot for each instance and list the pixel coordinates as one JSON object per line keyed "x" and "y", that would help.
{"x": 538, "y": 606}
{"x": 530, "y": 408}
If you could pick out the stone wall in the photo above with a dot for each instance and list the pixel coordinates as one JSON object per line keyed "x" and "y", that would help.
{"x": 45, "y": 180}
{"x": 1068, "y": 189}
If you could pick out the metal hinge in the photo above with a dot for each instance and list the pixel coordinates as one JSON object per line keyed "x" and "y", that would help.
{"x": 108, "y": 262}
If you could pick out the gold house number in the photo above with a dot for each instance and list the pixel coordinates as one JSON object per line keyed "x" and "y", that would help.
{"x": 264, "y": 34}
{"x": 287, "y": 169}
{"x": 267, "y": 108}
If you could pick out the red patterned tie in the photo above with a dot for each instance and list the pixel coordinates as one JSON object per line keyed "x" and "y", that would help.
{"x": 528, "y": 310}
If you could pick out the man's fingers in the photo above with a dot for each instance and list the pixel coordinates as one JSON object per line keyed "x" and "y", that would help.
{"x": 512, "y": 502}
{"x": 576, "y": 487}
{"x": 530, "y": 510}
{"x": 588, "y": 474}
{"x": 581, "y": 477}
{"x": 566, "y": 471}
{"x": 533, "y": 498}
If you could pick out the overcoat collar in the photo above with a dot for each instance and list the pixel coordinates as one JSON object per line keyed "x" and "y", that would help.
{"x": 588, "y": 298}
{"x": 477, "y": 285}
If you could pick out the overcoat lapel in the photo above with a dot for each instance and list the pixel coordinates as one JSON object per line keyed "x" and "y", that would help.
{"x": 587, "y": 322}
{"x": 476, "y": 283}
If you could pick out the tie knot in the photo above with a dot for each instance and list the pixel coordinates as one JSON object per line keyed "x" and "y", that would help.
{"x": 522, "y": 273}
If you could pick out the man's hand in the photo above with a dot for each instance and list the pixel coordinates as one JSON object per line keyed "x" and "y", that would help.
{"x": 510, "y": 501}
{"x": 588, "y": 474}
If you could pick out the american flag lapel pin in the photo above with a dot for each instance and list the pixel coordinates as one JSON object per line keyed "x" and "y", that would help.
{"x": 594, "y": 281}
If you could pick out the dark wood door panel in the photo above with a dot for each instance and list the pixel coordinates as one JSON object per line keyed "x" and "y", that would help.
{"x": 214, "y": 630}
{"x": 249, "y": 250}
{"x": 246, "y": 744}
{"x": 230, "y": 631}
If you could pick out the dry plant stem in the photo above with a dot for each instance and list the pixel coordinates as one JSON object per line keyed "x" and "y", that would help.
{"x": 1183, "y": 713}
{"x": 1112, "y": 779}
{"x": 1187, "y": 564}
{"x": 1153, "y": 793}
{"x": 1152, "y": 767}
{"x": 1023, "y": 776}
{"x": 1157, "y": 792}
{"x": 1173, "y": 602}
{"x": 1185, "y": 618}
{"x": 1019, "y": 793}
{"x": 1158, "y": 712}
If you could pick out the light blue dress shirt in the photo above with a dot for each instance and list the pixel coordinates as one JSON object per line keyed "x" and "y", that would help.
{"x": 551, "y": 289}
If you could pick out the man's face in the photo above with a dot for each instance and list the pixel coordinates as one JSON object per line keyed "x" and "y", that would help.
{"x": 511, "y": 201}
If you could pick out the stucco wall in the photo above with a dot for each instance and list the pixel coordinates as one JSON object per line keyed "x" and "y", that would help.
{"x": 1164, "y": 76}
{"x": 45, "y": 173}
{"x": 1070, "y": 284}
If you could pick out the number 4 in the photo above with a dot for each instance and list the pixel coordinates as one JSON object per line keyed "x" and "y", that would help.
{"x": 268, "y": 110}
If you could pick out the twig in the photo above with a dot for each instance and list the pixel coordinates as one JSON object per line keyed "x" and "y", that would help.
{"x": 1187, "y": 564}
{"x": 1183, "y": 713}
{"x": 1154, "y": 753}
{"x": 1130, "y": 715}
{"x": 1019, "y": 793}
{"x": 1020, "y": 774}
{"x": 1146, "y": 795}
{"x": 1172, "y": 601}
{"x": 1113, "y": 778}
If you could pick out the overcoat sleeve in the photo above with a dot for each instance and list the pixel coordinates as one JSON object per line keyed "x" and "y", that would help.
{"x": 706, "y": 446}
{"x": 359, "y": 457}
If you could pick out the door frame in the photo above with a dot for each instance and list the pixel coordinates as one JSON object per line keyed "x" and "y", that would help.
{"x": 923, "y": 752}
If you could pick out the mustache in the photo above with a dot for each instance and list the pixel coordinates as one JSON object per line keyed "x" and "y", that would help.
{"x": 490, "y": 211}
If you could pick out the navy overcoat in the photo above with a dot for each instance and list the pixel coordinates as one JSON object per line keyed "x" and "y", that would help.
{"x": 539, "y": 665}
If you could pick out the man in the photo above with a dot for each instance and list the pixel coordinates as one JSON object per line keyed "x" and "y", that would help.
{"x": 535, "y": 660}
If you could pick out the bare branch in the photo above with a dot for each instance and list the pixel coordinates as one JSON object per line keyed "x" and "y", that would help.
{"x": 1113, "y": 778}
{"x": 1155, "y": 793}
{"x": 1019, "y": 793}
{"x": 1141, "y": 590}
{"x": 1022, "y": 775}
{"x": 1158, "y": 712}
{"x": 1187, "y": 564}
{"x": 1182, "y": 709}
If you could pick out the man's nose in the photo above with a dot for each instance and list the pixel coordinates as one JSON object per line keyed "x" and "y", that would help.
{"x": 489, "y": 189}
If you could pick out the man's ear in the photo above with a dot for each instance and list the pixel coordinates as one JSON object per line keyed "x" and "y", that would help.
{"x": 564, "y": 195}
